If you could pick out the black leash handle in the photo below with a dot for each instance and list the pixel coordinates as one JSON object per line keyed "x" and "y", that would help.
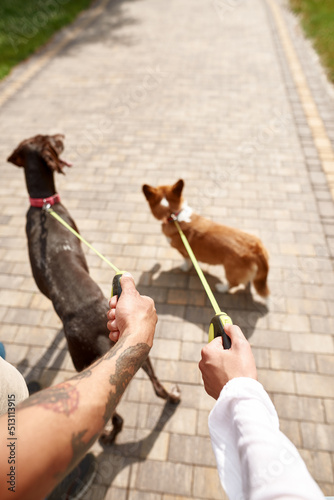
{"x": 217, "y": 329}
{"x": 116, "y": 288}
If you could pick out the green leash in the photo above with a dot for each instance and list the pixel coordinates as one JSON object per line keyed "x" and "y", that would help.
{"x": 116, "y": 284}
{"x": 220, "y": 319}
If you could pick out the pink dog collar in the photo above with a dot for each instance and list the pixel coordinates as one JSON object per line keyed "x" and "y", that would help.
{"x": 40, "y": 202}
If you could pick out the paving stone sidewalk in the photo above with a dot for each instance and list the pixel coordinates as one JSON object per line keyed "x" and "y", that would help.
{"x": 150, "y": 92}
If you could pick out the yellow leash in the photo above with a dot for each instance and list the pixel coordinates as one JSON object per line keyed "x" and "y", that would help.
{"x": 198, "y": 269}
{"x": 116, "y": 285}
{"x": 220, "y": 319}
{"x": 73, "y": 231}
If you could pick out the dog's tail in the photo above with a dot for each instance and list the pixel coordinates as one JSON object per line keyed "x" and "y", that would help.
{"x": 260, "y": 281}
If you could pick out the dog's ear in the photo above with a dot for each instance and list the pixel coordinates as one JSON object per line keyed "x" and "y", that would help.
{"x": 59, "y": 140}
{"x": 16, "y": 157}
{"x": 50, "y": 155}
{"x": 149, "y": 191}
{"x": 178, "y": 187}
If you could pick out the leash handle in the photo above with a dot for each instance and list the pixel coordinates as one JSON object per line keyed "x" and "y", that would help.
{"x": 217, "y": 329}
{"x": 116, "y": 288}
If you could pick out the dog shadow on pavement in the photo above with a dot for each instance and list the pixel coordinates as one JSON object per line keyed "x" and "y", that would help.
{"x": 179, "y": 293}
{"x": 113, "y": 459}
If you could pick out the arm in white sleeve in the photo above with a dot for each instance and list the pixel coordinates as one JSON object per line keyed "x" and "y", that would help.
{"x": 255, "y": 460}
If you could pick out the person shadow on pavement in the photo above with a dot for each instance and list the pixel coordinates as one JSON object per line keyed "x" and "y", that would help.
{"x": 177, "y": 293}
{"x": 43, "y": 368}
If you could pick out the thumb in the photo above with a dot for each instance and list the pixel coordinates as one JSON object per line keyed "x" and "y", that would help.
{"x": 127, "y": 282}
{"x": 235, "y": 334}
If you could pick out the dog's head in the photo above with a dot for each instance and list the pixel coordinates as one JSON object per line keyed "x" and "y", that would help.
{"x": 164, "y": 200}
{"x": 49, "y": 147}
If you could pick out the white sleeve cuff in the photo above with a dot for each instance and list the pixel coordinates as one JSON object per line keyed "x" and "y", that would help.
{"x": 244, "y": 388}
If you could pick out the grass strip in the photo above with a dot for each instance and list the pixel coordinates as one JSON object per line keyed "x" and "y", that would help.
{"x": 317, "y": 17}
{"x": 26, "y": 25}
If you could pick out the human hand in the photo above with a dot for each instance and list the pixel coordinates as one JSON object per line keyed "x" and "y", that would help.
{"x": 219, "y": 365}
{"x": 132, "y": 314}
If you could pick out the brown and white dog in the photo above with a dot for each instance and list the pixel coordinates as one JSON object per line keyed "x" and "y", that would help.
{"x": 243, "y": 255}
{"x": 59, "y": 265}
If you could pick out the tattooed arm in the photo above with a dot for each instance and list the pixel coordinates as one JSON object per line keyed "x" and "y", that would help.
{"x": 55, "y": 427}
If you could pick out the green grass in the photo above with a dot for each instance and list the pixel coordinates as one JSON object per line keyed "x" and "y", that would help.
{"x": 25, "y": 25}
{"x": 318, "y": 21}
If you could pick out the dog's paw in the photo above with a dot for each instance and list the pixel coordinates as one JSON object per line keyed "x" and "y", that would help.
{"x": 222, "y": 287}
{"x": 186, "y": 266}
{"x": 107, "y": 438}
{"x": 175, "y": 395}
{"x": 238, "y": 288}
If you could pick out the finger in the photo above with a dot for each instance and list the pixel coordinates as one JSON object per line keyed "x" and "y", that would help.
{"x": 113, "y": 301}
{"x": 112, "y": 326}
{"x": 114, "y": 336}
{"x": 235, "y": 333}
{"x": 211, "y": 348}
{"x": 111, "y": 314}
{"x": 127, "y": 283}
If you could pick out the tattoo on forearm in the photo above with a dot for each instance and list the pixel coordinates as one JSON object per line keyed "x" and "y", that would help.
{"x": 79, "y": 447}
{"x": 117, "y": 347}
{"x": 126, "y": 366}
{"x": 63, "y": 398}
{"x": 109, "y": 354}
{"x": 110, "y": 407}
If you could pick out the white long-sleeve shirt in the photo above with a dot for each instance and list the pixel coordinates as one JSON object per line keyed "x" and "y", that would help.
{"x": 255, "y": 460}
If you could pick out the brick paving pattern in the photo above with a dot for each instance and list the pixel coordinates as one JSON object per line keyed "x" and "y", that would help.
{"x": 148, "y": 92}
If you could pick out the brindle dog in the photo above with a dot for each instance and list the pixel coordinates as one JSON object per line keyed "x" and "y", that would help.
{"x": 60, "y": 269}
